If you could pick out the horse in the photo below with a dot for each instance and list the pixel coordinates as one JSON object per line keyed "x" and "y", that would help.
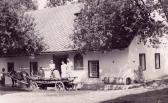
{"x": 18, "y": 76}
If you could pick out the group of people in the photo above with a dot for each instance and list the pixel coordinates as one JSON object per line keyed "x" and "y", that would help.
{"x": 66, "y": 68}
{"x": 66, "y": 71}
{"x": 52, "y": 72}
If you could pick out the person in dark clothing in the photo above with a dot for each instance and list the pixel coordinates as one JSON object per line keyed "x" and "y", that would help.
{"x": 13, "y": 74}
{"x": 3, "y": 77}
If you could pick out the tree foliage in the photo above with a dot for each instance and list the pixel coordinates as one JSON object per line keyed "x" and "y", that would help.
{"x": 17, "y": 30}
{"x": 55, "y": 3}
{"x": 112, "y": 24}
{"x": 163, "y": 4}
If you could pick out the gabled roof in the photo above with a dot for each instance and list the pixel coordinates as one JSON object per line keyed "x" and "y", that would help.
{"x": 56, "y": 25}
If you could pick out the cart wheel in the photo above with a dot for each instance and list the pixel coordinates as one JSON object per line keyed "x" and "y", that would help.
{"x": 59, "y": 86}
{"x": 33, "y": 86}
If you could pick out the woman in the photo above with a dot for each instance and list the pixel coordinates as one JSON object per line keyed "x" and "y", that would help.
{"x": 63, "y": 70}
{"x": 69, "y": 67}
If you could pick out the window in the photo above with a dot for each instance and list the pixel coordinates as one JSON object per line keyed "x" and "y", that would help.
{"x": 10, "y": 66}
{"x": 33, "y": 68}
{"x": 93, "y": 67}
{"x": 157, "y": 60}
{"x": 78, "y": 62}
{"x": 142, "y": 61}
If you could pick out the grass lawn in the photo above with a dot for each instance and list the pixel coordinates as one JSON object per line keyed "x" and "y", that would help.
{"x": 158, "y": 96}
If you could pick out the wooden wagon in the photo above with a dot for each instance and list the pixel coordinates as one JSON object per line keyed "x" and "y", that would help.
{"x": 58, "y": 84}
{"x": 34, "y": 82}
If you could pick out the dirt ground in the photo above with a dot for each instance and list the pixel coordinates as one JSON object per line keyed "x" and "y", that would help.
{"x": 136, "y": 95}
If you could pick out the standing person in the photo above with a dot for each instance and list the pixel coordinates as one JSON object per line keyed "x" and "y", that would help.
{"x": 63, "y": 70}
{"x": 52, "y": 65}
{"x": 48, "y": 73}
{"x": 69, "y": 67}
{"x": 13, "y": 73}
{"x": 3, "y": 76}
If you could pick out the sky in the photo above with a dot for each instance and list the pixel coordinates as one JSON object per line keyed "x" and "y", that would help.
{"x": 41, "y": 3}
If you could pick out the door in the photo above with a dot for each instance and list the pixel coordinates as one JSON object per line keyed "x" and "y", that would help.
{"x": 33, "y": 68}
{"x": 10, "y": 66}
{"x": 58, "y": 60}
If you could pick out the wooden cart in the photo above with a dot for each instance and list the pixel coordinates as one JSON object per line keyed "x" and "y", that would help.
{"x": 58, "y": 84}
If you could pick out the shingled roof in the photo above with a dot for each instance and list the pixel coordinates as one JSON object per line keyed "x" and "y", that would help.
{"x": 56, "y": 25}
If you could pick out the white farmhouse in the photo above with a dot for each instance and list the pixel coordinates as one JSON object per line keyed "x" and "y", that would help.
{"x": 56, "y": 25}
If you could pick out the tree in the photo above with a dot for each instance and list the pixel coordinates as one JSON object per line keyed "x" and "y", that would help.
{"x": 112, "y": 24}
{"x": 54, "y": 3}
{"x": 17, "y": 30}
{"x": 28, "y": 4}
{"x": 163, "y": 4}
{"x": 25, "y": 4}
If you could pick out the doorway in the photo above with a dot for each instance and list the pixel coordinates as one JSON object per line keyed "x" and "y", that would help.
{"x": 10, "y": 66}
{"x": 33, "y": 68}
{"x": 58, "y": 59}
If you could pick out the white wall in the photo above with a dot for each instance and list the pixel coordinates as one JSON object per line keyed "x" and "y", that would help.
{"x": 24, "y": 61}
{"x": 115, "y": 63}
{"x": 150, "y": 72}
{"x": 110, "y": 63}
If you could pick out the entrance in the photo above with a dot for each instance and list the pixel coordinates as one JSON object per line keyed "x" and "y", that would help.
{"x": 10, "y": 66}
{"x": 33, "y": 68}
{"x": 58, "y": 59}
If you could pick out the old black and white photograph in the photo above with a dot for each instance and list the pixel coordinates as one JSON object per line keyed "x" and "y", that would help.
{"x": 83, "y": 51}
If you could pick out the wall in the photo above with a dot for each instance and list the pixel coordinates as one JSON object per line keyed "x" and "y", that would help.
{"x": 150, "y": 73}
{"x": 116, "y": 63}
{"x": 24, "y": 62}
{"x": 110, "y": 63}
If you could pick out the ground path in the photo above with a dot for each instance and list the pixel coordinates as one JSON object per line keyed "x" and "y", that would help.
{"x": 71, "y": 97}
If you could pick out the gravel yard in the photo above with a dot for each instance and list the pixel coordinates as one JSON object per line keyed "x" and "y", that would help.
{"x": 136, "y": 95}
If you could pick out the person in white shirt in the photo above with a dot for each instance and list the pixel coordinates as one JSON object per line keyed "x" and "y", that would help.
{"x": 48, "y": 71}
{"x": 52, "y": 65}
{"x": 69, "y": 67}
{"x": 63, "y": 70}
